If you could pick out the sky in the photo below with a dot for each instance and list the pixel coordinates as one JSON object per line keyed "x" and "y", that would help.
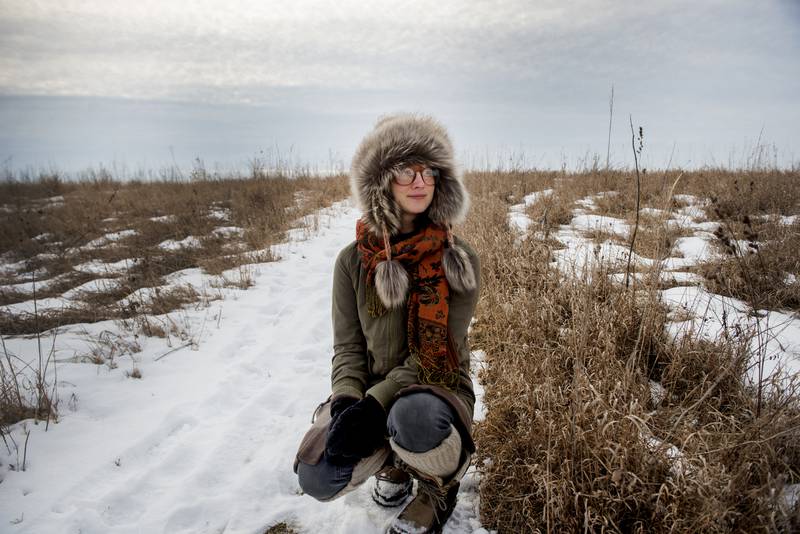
{"x": 137, "y": 86}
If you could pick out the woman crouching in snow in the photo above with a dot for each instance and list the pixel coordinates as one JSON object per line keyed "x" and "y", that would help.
{"x": 404, "y": 293}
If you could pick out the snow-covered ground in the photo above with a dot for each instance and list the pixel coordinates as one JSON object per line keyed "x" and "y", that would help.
{"x": 204, "y": 441}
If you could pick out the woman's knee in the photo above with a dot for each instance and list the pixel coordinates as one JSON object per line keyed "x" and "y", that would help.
{"x": 323, "y": 481}
{"x": 420, "y": 421}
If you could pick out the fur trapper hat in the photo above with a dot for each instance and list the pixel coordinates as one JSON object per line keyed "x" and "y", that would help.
{"x": 397, "y": 141}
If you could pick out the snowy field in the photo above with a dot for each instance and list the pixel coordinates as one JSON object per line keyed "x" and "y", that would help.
{"x": 204, "y": 441}
{"x": 694, "y": 309}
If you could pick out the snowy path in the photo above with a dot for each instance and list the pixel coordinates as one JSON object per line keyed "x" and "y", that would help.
{"x": 204, "y": 442}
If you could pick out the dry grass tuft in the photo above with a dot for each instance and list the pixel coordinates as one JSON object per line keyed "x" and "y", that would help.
{"x": 761, "y": 264}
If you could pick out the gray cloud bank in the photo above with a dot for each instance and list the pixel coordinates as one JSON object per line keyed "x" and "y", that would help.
{"x": 138, "y": 84}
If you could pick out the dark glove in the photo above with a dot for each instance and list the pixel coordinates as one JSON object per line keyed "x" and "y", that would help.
{"x": 340, "y": 404}
{"x": 357, "y": 432}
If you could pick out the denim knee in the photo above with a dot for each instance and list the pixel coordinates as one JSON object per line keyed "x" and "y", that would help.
{"x": 419, "y": 422}
{"x": 324, "y": 480}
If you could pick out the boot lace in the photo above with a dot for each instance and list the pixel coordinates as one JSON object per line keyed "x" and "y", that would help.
{"x": 436, "y": 495}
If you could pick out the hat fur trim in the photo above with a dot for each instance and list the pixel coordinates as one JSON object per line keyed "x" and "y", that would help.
{"x": 396, "y": 141}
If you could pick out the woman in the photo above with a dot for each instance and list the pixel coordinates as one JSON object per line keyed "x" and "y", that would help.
{"x": 404, "y": 293}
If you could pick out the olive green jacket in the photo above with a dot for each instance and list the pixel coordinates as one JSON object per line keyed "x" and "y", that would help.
{"x": 371, "y": 353}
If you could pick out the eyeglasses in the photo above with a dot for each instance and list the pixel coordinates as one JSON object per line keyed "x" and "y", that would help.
{"x": 407, "y": 176}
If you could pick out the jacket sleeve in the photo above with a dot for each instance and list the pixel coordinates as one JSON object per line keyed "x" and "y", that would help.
{"x": 349, "y": 371}
{"x": 462, "y": 308}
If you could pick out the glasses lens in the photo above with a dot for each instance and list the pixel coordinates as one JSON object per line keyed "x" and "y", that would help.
{"x": 407, "y": 176}
{"x": 429, "y": 176}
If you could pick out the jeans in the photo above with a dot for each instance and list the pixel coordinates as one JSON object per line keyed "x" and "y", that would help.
{"x": 417, "y": 422}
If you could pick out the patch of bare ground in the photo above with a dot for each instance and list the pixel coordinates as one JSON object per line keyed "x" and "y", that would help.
{"x": 280, "y": 528}
{"x": 575, "y": 438}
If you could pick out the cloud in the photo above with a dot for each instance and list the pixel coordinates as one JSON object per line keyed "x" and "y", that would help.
{"x": 524, "y": 71}
{"x": 167, "y": 49}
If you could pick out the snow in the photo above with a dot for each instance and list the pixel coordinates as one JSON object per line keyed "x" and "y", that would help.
{"x": 581, "y": 255}
{"x": 187, "y": 242}
{"x": 519, "y": 221}
{"x": 205, "y": 440}
{"x": 774, "y": 335}
{"x": 111, "y": 237}
{"x": 227, "y": 231}
{"x": 13, "y": 268}
{"x": 667, "y": 277}
{"x": 591, "y": 222}
{"x": 517, "y": 218}
{"x": 652, "y": 212}
{"x": 221, "y": 214}
{"x": 532, "y": 198}
{"x": 688, "y": 199}
{"x": 28, "y": 286}
{"x": 37, "y": 306}
{"x": 92, "y": 286}
{"x": 101, "y": 267}
{"x": 43, "y": 237}
{"x": 163, "y": 218}
{"x": 695, "y": 248}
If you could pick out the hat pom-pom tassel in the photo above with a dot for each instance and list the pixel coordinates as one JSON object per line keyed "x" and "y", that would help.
{"x": 391, "y": 283}
{"x": 458, "y": 269}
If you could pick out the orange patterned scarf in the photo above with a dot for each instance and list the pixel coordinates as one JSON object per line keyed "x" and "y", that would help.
{"x": 428, "y": 298}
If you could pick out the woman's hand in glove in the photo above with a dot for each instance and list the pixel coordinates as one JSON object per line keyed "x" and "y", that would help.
{"x": 340, "y": 404}
{"x": 357, "y": 432}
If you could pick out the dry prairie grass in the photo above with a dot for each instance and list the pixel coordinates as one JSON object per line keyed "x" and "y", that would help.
{"x": 765, "y": 273}
{"x": 53, "y": 236}
{"x": 573, "y": 440}
{"x": 51, "y": 228}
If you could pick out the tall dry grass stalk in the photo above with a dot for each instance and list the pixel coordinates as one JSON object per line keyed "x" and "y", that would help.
{"x": 577, "y": 438}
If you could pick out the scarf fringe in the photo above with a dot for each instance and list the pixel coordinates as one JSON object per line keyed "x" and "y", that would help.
{"x": 437, "y": 377}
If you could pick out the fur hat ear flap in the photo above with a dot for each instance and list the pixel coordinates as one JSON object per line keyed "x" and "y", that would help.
{"x": 457, "y": 267}
{"x": 391, "y": 283}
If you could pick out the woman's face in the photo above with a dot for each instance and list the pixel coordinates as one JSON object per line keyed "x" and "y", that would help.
{"x": 415, "y": 197}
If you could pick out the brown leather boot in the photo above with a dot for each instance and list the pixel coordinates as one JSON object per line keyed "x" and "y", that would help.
{"x": 392, "y": 486}
{"x": 428, "y": 512}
